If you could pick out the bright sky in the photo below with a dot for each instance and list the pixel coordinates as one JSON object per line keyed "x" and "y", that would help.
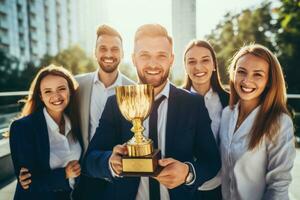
{"x": 127, "y": 16}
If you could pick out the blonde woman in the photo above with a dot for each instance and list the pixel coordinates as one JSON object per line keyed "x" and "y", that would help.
{"x": 256, "y": 131}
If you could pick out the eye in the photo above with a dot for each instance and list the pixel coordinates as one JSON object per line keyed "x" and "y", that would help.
{"x": 102, "y": 49}
{"x": 258, "y": 75}
{"x": 115, "y": 50}
{"x": 62, "y": 89}
{"x": 162, "y": 56}
{"x": 192, "y": 62}
{"x": 242, "y": 72}
{"x": 205, "y": 60}
{"x": 144, "y": 56}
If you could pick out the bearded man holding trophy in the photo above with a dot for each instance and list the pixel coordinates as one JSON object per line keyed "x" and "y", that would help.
{"x": 172, "y": 152}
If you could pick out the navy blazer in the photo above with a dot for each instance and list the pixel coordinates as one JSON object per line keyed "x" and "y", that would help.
{"x": 188, "y": 138}
{"x": 29, "y": 145}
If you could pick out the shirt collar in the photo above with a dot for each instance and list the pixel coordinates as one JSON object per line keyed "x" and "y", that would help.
{"x": 117, "y": 82}
{"x": 208, "y": 94}
{"x": 165, "y": 91}
{"x": 52, "y": 124}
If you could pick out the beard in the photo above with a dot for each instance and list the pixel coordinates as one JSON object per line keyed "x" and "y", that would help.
{"x": 154, "y": 82}
{"x": 109, "y": 68}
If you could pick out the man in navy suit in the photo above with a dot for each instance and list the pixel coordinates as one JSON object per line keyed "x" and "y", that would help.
{"x": 189, "y": 152}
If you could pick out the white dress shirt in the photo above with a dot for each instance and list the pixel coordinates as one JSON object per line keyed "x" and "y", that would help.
{"x": 63, "y": 148}
{"x": 143, "y": 191}
{"x": 98, "y": 100}
{"x": 214, "y": 108}
{"x": 263, "y": 173}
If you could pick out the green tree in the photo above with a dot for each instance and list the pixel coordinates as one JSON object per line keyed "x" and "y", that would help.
{"x": 8, "y": 71}
{"x": 249, "y": 26}
{"x": 288, "y": 41}
{"x": 73, "y": 59}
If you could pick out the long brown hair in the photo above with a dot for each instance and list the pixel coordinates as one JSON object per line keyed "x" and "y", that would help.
{"x": 215, "y": 77}
{"x": 34, "y": 103}
{"x": 272, "y": 100}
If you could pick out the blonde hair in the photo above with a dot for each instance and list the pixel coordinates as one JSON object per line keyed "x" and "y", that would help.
{"x": 272, "y": 100}
{"x": 107, "y": 30}
{"x": 152, "y": 30}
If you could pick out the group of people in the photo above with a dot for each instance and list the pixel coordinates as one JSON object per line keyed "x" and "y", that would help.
{"x": 215, "y": 144}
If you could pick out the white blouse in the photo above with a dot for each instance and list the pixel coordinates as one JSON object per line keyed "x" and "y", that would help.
{"x": 263, "y": 173}
{"x": 214, "y": 107}
{"x": 62, "y": 147}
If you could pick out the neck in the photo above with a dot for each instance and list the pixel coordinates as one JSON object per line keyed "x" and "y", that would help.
{"x": 158, "y": 89}
{"x": 56, "y": 116}
{"x": 202, "y": 89}
{"x": 107, "y": 78}
{"x": 247, "y": 106}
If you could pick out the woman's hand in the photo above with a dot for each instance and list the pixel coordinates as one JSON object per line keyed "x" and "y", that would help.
{"x": 24, "y": 178}
{"x": 73, "y": 169}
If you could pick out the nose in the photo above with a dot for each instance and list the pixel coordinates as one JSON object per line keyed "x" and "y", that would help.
{"x": 152, "y": 63}
{"x": 108, "y": 54}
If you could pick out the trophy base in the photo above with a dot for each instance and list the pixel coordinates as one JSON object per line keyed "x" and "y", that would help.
{"x": 141, "y": 166}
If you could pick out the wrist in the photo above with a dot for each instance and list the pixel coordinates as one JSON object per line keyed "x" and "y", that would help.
{"x": 189, "y": 179}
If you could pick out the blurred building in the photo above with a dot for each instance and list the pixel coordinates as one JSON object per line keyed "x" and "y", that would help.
{"x": 183, "y": 30}
{"x": 29, "y": 29}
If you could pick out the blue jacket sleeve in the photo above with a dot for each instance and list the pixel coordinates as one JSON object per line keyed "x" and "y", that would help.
{"x": 100, "y": 148}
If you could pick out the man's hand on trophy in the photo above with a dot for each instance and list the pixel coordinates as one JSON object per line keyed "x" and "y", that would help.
{"x": 173, "y": 174}
{"x": 115, "y": 159}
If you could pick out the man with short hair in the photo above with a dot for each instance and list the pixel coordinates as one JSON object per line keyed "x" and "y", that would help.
{"x": 189, "y": 152}
{"x": 96, "y": 87}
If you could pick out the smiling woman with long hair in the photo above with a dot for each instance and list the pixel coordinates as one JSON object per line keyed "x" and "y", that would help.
{"x": 256, "y": 131}
{"x": 45, "y": 142}
{"x": 202, "y": 77}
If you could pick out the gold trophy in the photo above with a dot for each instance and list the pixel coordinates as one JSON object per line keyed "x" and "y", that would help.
{"x": 135, "y": 103}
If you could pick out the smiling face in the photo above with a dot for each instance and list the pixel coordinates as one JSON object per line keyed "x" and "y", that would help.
{"x": 199, "y": 65}
{"x": 109, "y": 52}
{"x": 55, "y": 94}
{"x": 250, "y": 77}
{"x": 153, "y": 58}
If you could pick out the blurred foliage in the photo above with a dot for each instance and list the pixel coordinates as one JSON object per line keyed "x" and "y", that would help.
{"x": 236, "y": 30}
{"x": 128, "y": 71}
{"x": 288, "y": 42}
{"x": 276, "y": 28}
{"x": 74, "y": 59}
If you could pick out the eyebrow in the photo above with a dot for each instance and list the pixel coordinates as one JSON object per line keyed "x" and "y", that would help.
{"x": 257, "y": 70}
{"x": 201, "y": 57}
{"x": 51, "y": 88}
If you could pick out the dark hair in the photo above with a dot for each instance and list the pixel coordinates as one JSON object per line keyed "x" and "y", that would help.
{"x": 34, "y": 103}
{"x": 215, "y": 77}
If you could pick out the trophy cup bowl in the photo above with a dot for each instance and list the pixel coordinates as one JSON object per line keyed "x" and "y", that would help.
{"x": 135, "y": 103}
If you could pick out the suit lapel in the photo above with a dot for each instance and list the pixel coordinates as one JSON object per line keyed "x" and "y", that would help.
{"x": 171, "y": 120}
{"x": 85, "y": 108}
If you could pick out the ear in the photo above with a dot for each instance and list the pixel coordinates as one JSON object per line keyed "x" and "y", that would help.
{"x": 133, "y": 59}
{"x": 172, "y": 60}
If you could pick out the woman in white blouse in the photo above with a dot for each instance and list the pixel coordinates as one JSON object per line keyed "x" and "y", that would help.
{"x": 256, "y": 131}
{"x": 203, "y": 78}
{"x": 46, "y": 141}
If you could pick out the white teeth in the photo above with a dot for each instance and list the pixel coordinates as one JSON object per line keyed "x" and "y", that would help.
{"x": 200, "y": 74}
{"x": 57, "y": 102}
{"x": 108, "y": 61}
{"x": 152, "y": 72}
{"x": 248, "y": 90}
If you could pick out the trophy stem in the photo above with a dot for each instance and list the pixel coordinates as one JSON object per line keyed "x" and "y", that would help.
{"x": 138, "y": 129}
